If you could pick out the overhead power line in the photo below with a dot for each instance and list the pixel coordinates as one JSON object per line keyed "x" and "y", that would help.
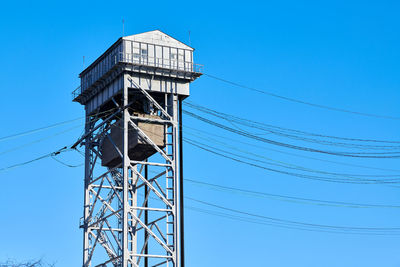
{"x": 211, "y": 136}
{"x": 52, "y": 154}
{"x": 263, "y": 219}
{"x": 66, "y": 164}
{"x": 307, "y": 226}
{"x": 297, "y": 147}
{"x": 12, "y": 136}
{"x": 38, "y": 140}
{"x": 296, "y": 174}
{"x": 257, "y": 218}
{"x": 278, "y": 163}
{"x": 227, "y": 115}
{"x": 293, "y": 133}
{"x": 260, "y": 221}
{"x": 338, "y": 177}
{"x": 353, "y": 178}
{"x": 294, "y": 100}
{"x": 8, "y": 137}
{"x": 266, "y": 219}
{"x": 294, "y": 199}
{"x": 280, "y": 197}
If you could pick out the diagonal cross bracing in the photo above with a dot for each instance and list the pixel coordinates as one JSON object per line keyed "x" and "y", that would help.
{"x": 117, "y": 212}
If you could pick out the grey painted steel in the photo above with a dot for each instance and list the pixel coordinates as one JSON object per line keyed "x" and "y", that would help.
{"x": 181, "y": 196}
{"x": 132, "y": 217}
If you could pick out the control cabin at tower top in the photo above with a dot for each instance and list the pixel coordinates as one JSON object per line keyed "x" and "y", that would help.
{"x": 153, "y": 60}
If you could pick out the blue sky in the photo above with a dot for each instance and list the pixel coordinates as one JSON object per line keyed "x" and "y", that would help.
{"x": 342, "y": 53}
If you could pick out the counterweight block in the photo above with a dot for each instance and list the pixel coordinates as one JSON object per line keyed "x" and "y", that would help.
{"x": 138, "y": 148}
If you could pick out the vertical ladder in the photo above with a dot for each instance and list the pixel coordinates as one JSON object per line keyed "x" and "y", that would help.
{"x": 169, "y": 189}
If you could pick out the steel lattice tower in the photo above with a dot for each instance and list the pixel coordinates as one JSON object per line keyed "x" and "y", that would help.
{"x": 133, "y": 97}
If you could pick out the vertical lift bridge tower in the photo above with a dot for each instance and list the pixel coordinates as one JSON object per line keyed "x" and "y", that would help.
{"x": 133, "y": 205}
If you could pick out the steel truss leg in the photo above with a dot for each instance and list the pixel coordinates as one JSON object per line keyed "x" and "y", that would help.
{"x": 132, "y": 212}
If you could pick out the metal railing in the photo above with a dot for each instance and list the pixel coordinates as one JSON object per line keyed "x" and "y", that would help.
{"x": 145, "y": 60}
{"x": 76, "y": 92}
{"x": 174, "y": 64}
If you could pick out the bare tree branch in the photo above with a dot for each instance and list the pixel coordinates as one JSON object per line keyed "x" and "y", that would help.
{"x": 30, "y": 263}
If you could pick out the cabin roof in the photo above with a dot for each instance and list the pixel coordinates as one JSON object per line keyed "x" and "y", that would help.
{"x": 159, "y": 38}
{"x": 156, "y": 37}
